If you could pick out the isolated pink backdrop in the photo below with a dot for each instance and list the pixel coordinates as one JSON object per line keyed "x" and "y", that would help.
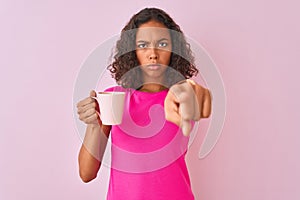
{"x": 255, "y": 45}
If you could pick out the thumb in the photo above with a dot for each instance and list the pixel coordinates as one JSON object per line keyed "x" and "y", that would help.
{"x": 93, "y": 93}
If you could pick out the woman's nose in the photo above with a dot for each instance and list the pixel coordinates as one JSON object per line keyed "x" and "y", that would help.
{"x": 153, "y": 54}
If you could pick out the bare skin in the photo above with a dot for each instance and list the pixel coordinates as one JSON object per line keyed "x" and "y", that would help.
{"x": 94, "y": 143}
{"x": 153, "y": 51}
{"x": 184, "y": 102}
{"x": 187, "y": 102}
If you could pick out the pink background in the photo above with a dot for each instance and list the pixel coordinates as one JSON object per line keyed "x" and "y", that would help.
{"x": 255, "y": 44}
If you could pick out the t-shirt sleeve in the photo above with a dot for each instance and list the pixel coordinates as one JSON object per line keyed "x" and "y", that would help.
{"x": 115, "y": 89}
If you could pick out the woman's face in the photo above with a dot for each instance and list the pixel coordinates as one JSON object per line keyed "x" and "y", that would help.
{"x": 153, "y": 50}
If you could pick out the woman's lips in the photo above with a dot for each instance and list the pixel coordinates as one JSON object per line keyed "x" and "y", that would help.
{"x": 153, "y": 66}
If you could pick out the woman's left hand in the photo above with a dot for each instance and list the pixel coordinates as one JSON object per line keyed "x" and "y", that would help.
{"x": 187, "y": 101}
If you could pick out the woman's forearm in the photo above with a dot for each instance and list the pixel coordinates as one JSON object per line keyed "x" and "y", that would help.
{"x": 92, "y": 151}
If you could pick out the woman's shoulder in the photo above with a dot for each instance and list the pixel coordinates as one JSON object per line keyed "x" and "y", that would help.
{"x": 115, "y": 89}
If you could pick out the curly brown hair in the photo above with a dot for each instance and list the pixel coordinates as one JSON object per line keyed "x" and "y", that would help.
{"x": 125, "y": 68}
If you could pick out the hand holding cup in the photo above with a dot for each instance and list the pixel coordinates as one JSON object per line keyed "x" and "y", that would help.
{"x": 88, "y": 110}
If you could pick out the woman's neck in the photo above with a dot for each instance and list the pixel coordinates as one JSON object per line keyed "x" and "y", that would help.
{"x": 151, "y": 87}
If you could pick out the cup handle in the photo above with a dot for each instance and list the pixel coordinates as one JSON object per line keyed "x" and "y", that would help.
{"x": 99, "y": 108}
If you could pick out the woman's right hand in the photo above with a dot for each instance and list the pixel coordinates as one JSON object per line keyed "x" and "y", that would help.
{"x": 88, "y": 110}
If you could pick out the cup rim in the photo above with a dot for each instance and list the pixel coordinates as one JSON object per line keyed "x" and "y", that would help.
{"x": 110, "y": 93}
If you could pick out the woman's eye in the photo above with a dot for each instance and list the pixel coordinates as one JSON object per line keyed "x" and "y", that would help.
{"x": 142, "y": 45}
{"x": 162, "y": 44}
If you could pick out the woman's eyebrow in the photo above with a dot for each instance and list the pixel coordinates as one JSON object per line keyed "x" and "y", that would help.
{"x": 143, "y": 41}
{"x": 162, "y": 39}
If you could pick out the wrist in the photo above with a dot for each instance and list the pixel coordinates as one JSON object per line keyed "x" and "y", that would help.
{"x": 94, "y": 126}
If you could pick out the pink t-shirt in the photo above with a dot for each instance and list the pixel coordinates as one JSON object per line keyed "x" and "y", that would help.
{"x": 147, "y": 152}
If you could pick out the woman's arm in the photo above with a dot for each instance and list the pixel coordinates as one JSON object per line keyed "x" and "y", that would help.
{"x": 95, "y": 139}
{"x": 92, "y": 151}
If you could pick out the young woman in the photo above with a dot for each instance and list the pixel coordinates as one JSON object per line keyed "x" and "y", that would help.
{"x": 152, "y": 65}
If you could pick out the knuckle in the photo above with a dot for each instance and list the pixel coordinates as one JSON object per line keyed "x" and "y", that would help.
{"x": 78, "y": 104}
{"x": 184, "y": 96}
{"x": 79, "y": 110}
{"x": 176, "y": 89}
{"x": 81, "y": 118}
